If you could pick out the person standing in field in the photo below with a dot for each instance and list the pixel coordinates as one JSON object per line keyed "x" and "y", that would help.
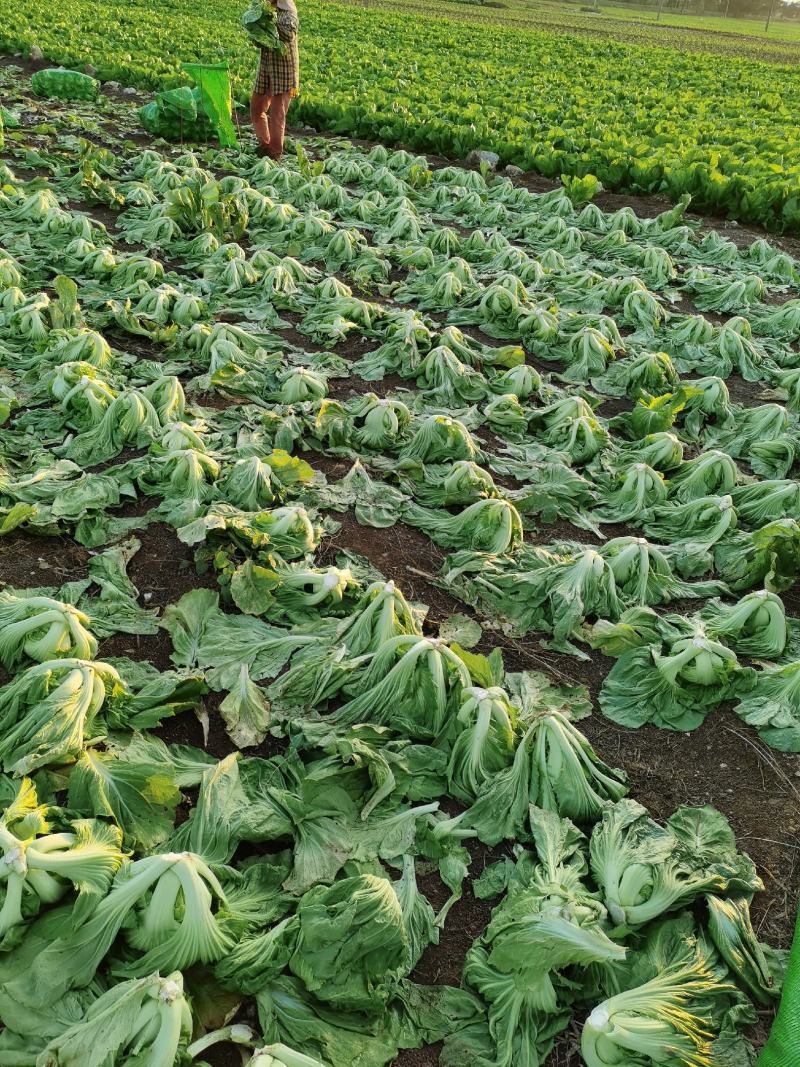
{"x": 278, "y": 80}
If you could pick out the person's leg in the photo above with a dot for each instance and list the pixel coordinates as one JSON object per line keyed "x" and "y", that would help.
{"x": 277, "y": 123}
{"x": 259, "y": 104}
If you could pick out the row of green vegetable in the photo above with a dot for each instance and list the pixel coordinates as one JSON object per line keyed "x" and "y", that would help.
{"x": 697, "y": 508}
{"x": 642, "y": 118}
{"x": 293, "y": 879}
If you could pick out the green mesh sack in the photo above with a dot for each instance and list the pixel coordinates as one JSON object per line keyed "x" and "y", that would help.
{"x": 150, "y": 117}
{"x": 176, "y": 115}
{"x": 261, "y": 24}
{"x": 214, "y": 86}
{"x": 180, "y": 102}
{"x": 64, "y": 84}
{"x": 783, "y": 1045}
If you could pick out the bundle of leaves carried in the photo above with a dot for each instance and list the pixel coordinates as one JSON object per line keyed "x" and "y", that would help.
{"x": 260, "y": 23}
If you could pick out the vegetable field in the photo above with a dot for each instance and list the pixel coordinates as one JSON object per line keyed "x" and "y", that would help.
{"x": 642, "y": 118}
{"x": 398, "y": 632}
{"x": 628, "y": 23}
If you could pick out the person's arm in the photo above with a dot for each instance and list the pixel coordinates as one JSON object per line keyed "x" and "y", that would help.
{"x": 288, "y": 25}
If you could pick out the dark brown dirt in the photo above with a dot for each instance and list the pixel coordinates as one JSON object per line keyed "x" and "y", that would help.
{"x": 217, "y": 401}
{"x": 101, "y": 213}
{"x": 347, "y": 388}
{"x": 748, "y": 394}
{"x": 135, "y": 345}
{"x": 163, "y": 568}
{"x": 224, "y": 1056}
{"x": 28, "y": 559}
{"x": 466, "y": 921}
{"x": 298, "y": 340}
{"x": 402, "y": 553}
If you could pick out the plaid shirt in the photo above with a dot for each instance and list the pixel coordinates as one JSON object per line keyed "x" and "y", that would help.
{"x": 277, "y": 73}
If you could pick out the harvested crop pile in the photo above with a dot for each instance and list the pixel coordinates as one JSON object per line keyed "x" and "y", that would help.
{"x": 249, "y": 778}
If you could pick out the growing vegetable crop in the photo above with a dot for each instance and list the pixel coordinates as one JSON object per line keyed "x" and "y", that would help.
{"x": 725, "y": 127}
{"x": 258, "y": 362}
